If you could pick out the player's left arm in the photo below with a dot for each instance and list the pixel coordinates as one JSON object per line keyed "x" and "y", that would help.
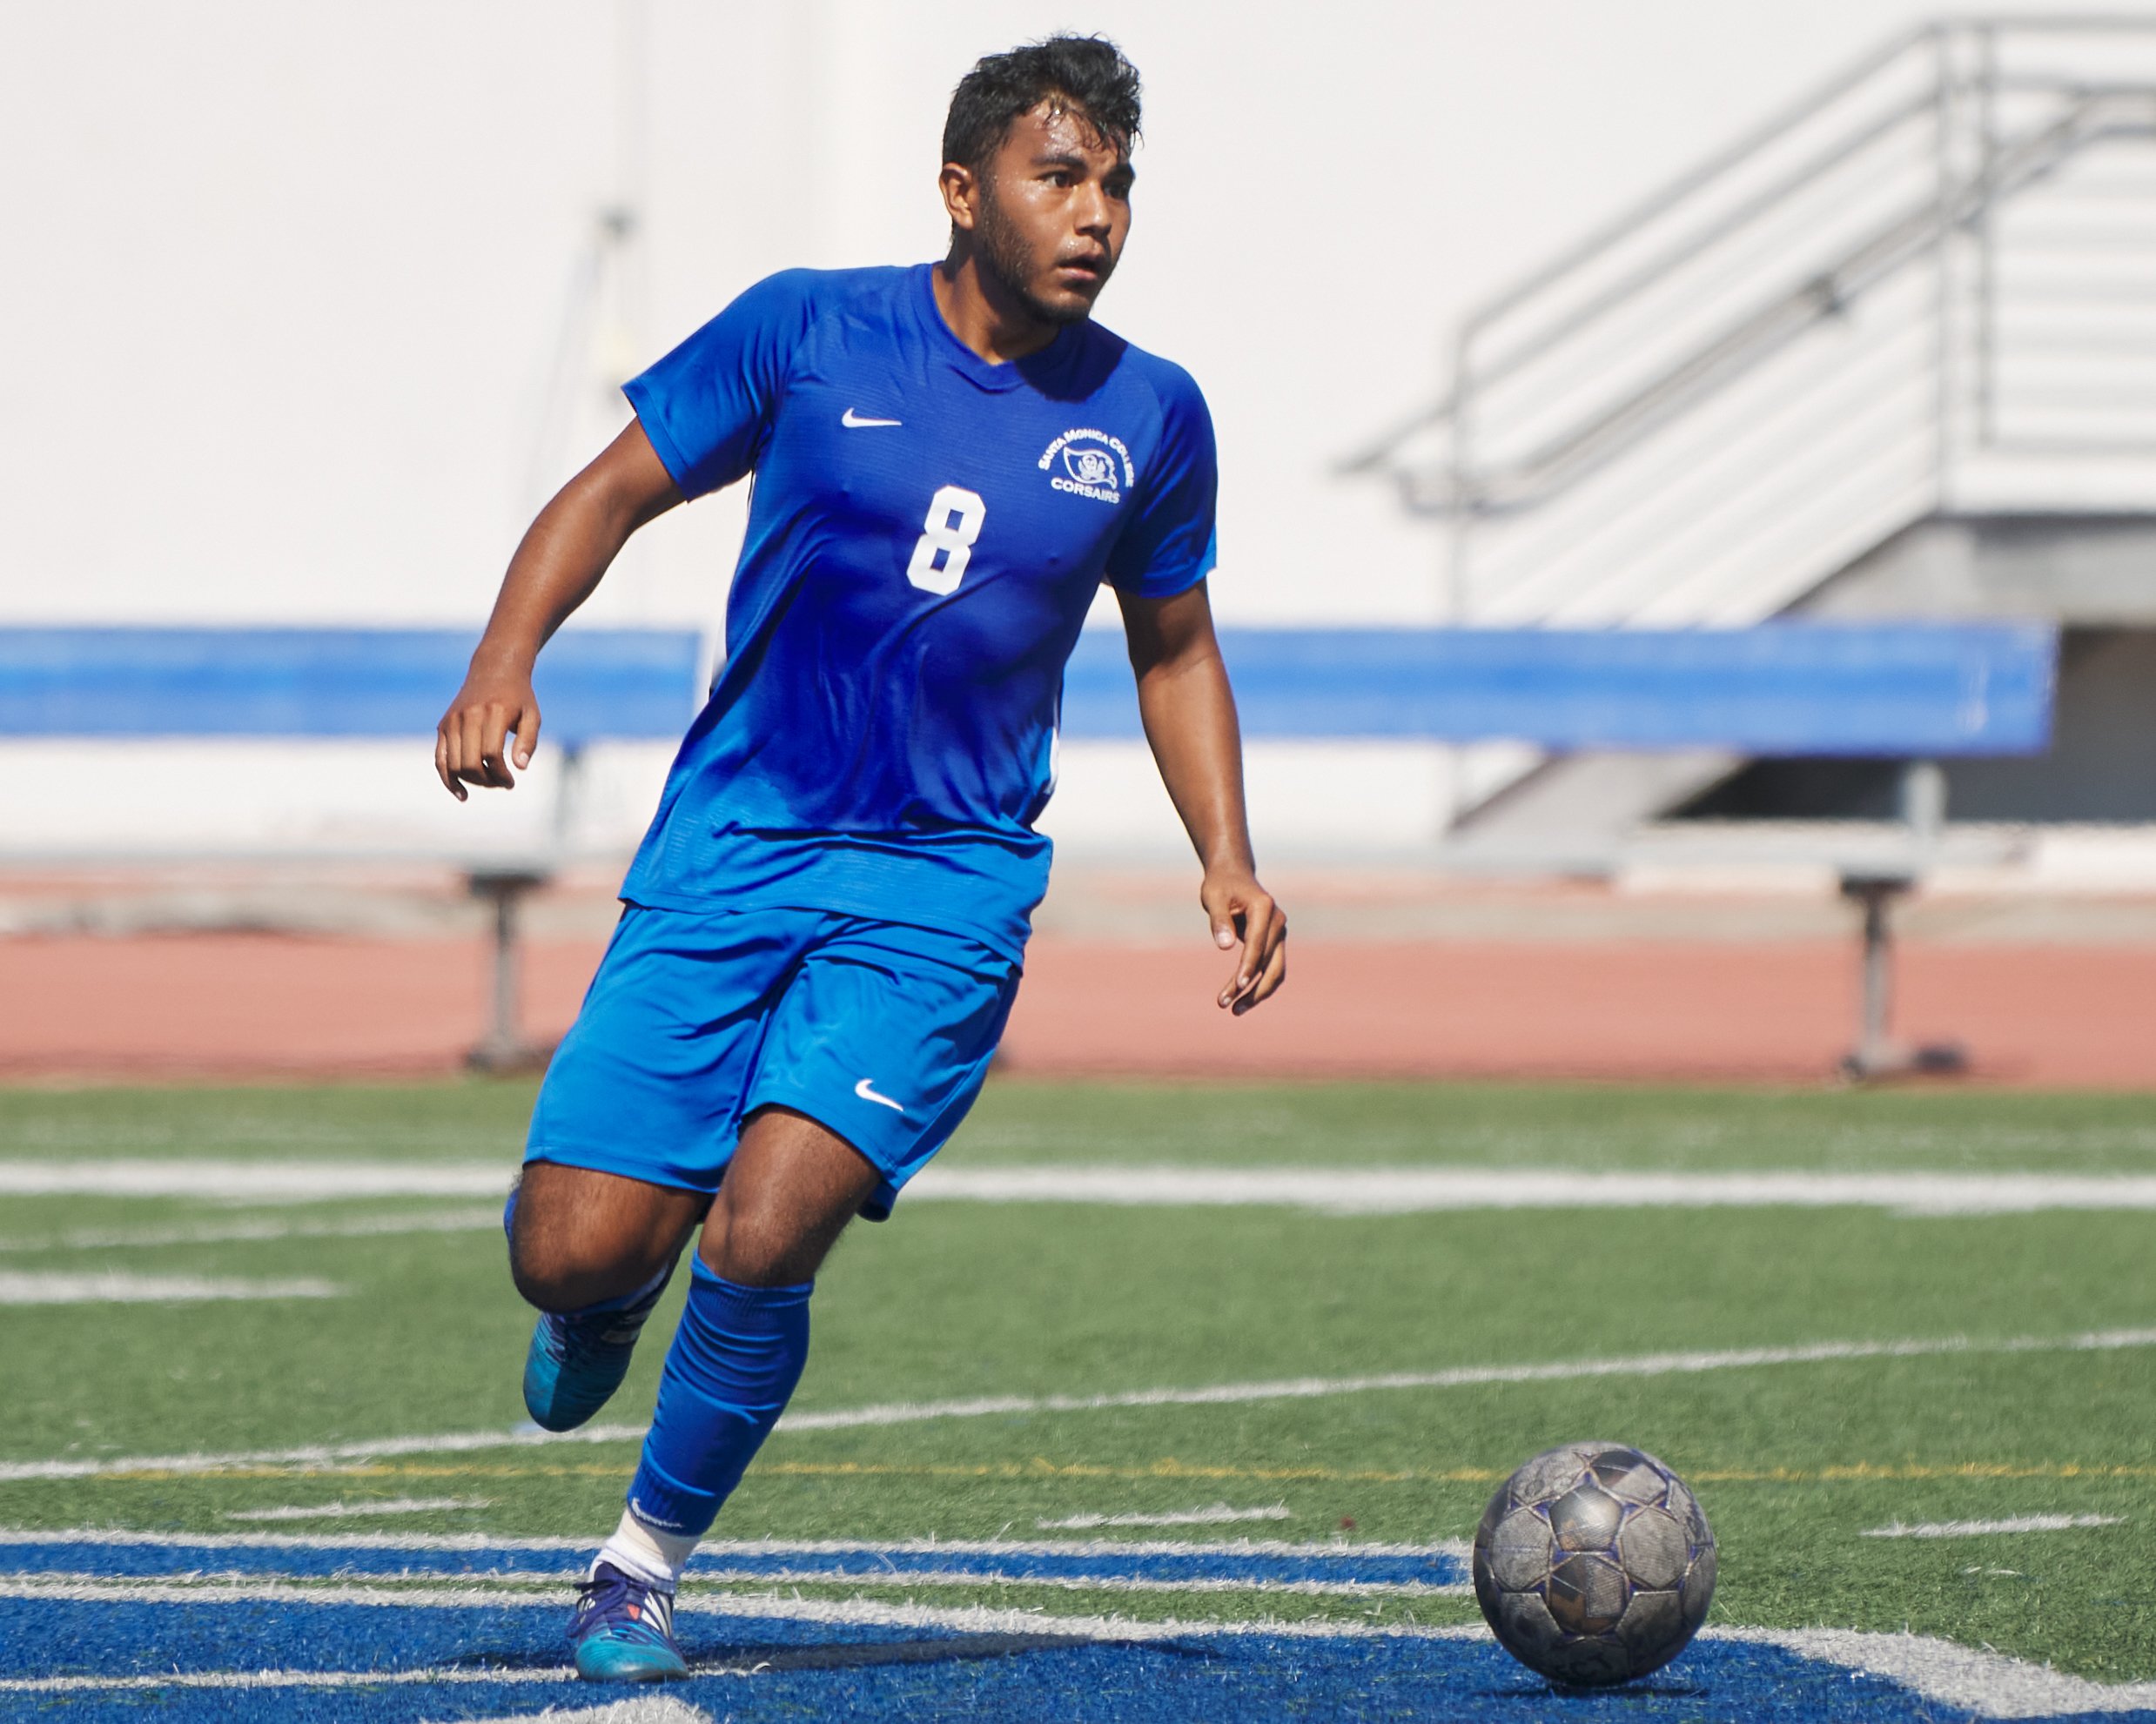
{"x": 1189, "y": 713}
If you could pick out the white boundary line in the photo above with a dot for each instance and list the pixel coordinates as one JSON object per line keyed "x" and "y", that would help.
{"x": 1412, "y": 1190}
{"x": 275, "y": 1679}
{"x": 1220, "y": 1394}
{"x": 1985, "y": 1684}
{"x": 253, "y": 1232}
{"x": 360, "y": 1511}
{"x": 1219, "y": 1514}
{"x": 118, "y": 1286}
{"x": 1325, "y": 1191}
{"x": 753, "y": 1607}
{"x": 266, "y": 1181}
{"x": 639, "y": 1709}
{"x": 1971, "y": 1529}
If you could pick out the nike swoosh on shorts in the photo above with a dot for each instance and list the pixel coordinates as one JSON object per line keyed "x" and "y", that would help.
{"x": 866, "y": 1094}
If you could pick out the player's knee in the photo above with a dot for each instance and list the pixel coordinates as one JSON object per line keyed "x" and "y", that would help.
{"x": 559, "y": 1268}
{"x": 756, "y": 1242}
{"x": 543, "y": 1277}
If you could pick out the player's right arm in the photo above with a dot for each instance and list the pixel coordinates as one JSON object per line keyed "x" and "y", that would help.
{"x": 702, "y": 414}
{"x": 563, "y": 555}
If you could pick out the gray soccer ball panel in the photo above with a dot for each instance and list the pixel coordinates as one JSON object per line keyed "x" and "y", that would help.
{"x": 1655, "y": 1549}
{"x": 1654, "y": 1627}
{"x": 1594, "y": 1663}
{"x": 1698, "y": 1589}
{"x": 1519, "y": 1551}
{"x": 1631, "y": 1476}
{"x": 1586, "y": 1518}
{"x": 1549, "y": 1474}
{"x": 1526, "y": 1629}
{"x": 1587, "y": 1594}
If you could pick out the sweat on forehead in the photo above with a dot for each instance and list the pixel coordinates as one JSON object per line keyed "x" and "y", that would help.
{"x": 1065, "y": 122}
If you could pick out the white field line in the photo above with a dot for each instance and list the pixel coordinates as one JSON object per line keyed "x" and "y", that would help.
{"x": 1984, "y": 1684}
{"x": 278, "y": 1679}
{"x": 754, "y": 1606}
{"x": 713, "y": 1548}
{"x": 1327, "y": 1191}
{"x": 249, "y": 1233}
{"x": 114, "y": 1286}
{"x": 1220, "y": 1394}
{"x": 266, "y": 1181}
{"x": 646, "y": 1709}
{"x": 516, "y": 1589}
{"x": 1219, "y": 1514}
{"x": 1406, "y": 1190}
{"x": 1971, "y": 1529}
{"x": 351, "y": 1511}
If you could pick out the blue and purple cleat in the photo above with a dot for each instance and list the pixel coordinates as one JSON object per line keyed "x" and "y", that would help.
{"x": 623, "y": 1630}
{"x": 578, "y": 1359}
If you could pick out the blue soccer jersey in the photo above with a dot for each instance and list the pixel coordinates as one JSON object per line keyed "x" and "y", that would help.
{"x": 926, "y": 532}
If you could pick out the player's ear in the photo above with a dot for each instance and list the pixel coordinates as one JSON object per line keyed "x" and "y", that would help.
{"x": 960, "y": 188}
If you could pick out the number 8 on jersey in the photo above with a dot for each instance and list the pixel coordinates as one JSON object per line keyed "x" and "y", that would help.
{"x": 955, "y": 516}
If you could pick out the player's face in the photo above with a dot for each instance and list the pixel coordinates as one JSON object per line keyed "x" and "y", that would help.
{"x": 1054, "y": 210}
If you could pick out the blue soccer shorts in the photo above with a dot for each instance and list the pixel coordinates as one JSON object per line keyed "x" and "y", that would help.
{"x": 881, "y": 1031}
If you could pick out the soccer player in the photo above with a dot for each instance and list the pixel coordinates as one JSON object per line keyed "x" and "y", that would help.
{"x": 823, "y": 931}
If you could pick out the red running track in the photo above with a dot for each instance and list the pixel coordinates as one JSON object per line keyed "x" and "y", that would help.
{"x": 270, "y": 1006}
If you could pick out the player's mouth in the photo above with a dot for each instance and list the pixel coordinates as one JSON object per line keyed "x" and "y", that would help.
{"x": 1089, "y": 270}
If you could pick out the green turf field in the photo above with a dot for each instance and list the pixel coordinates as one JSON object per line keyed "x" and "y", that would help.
{"x": 1794, "y": 1461}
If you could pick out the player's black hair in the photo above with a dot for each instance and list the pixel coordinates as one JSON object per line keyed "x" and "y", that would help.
{"x": 1085, "y": 75}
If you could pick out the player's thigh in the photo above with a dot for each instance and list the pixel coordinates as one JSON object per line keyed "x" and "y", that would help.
{"x": 790, "y": 1189}
{"x": 577, "y": 1237}
{"x": 883, "y": 1037}
{"x": 649, "y": 1082}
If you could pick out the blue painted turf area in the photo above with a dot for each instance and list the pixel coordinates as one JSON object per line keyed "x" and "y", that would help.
{"x": 331, "y": 1557}
{"x": 830, "y": 1671}
{"x": 490, "y": 1660}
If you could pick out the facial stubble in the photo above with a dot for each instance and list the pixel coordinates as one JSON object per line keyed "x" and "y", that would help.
{"x": 1005, "y": 257}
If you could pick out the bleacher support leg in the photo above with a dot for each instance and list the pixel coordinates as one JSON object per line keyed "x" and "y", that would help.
{"x": 503, "y": 1048}
{"x": 1877, "y": 1055}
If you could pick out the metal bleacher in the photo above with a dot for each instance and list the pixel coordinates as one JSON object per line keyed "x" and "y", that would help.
{"x": 1872, "y": 689}
{"x": 1921, "y": 692}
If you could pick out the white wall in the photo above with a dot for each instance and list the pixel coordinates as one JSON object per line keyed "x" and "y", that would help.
{"x": 281, "y": 283}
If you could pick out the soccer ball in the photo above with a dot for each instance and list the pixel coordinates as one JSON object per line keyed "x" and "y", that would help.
{"x": 1594, "y": 1564}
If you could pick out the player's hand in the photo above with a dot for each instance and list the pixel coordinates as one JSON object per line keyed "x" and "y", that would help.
{"x": 1244, "y": 911}
{"x": 471, "y": 743}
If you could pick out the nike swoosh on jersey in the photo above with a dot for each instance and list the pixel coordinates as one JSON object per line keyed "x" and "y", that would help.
{"x": 867, "y": 1094}
{"x": 853, "y": 422}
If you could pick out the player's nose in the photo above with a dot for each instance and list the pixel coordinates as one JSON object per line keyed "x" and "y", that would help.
{"x": 1089, "y": 210}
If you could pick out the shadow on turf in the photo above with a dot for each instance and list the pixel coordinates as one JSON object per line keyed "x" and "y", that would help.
{"x": 1632, "y": 1692}
{"x": 748, "y": 1661}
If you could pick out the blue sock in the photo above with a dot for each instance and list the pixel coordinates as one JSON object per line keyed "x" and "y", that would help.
{"x": 728, "y": 1375}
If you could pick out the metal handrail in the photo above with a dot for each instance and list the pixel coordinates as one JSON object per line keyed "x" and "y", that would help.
{"x": 1914, "y": 290}
{"x": 1827, "y": 292}
{"x": 2090, "y": 110}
